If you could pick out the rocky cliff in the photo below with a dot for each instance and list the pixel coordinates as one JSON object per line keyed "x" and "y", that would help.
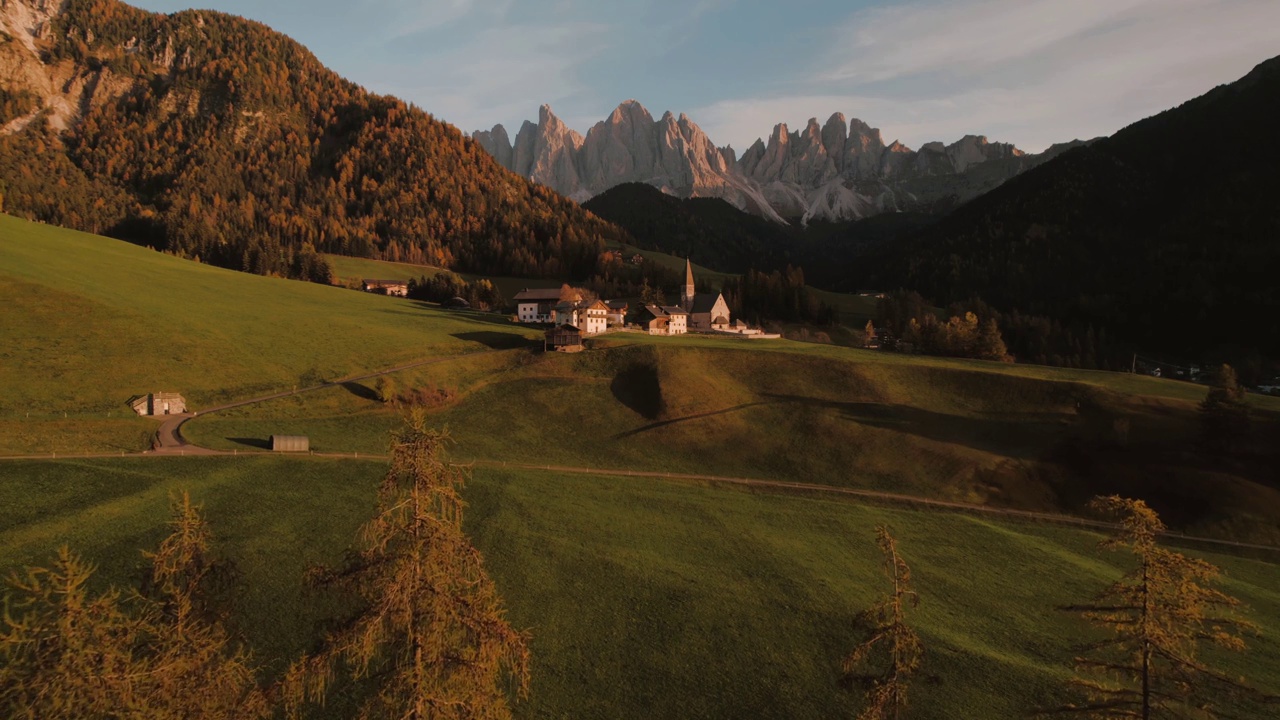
{"x": 841, "y": 170}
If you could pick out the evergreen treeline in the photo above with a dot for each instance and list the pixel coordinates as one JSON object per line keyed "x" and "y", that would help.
{"x": 779, "y": 295}
{"x": 443, "y": 287}
{"x": 233, "y": 143}
{"x": 1137, "y": 233}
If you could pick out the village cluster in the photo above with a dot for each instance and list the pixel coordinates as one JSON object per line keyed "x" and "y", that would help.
{"x": 573, "y": 319}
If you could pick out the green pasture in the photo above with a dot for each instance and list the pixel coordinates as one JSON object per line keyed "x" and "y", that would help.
{"x": 89, "y": 322}
{"x": 645, "y": 599}
{"x": 353, "y": 270}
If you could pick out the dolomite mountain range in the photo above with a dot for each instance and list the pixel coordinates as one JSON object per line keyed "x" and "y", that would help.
{"x": 841, "y": 170}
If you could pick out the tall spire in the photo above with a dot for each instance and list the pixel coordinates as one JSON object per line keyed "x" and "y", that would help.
{"x": 686, "y": 293}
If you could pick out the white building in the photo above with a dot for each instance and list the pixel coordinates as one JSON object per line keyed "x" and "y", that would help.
{"x": 536, "y": 306}
{"x": 591, "y": 317}
{"x": 670, "y": 320}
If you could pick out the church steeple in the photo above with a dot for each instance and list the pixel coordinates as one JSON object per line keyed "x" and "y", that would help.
{"x": 686, "y": 293}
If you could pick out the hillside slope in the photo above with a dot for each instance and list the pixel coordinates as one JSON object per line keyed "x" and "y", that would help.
{"x": 213, "y": 136}
{"x": 1129, "y": 235}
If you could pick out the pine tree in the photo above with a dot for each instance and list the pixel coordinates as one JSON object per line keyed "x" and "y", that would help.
{"x": 1156, "y": 617}
{"x": 891, "y": 643}
{"x": 430, "y": 639}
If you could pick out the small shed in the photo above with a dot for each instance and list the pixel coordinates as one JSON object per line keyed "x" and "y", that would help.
{"x": 290, "y": 443}
{"x": 159, "y": 404}
{"x": 564, "y": 338}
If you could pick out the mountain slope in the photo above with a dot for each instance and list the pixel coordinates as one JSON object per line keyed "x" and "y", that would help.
{"x": 214, "y": 136}
{"x": 842, "y": 170}
{"x": 1130, "y": 234}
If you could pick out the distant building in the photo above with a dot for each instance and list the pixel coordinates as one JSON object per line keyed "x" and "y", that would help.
{"x": 290, "y": 443}
{"x": 159, "y": 404}
{"x": 399, "y": 288}
{"x": 563, "y": 338}
{"x": 617, "y": 312}
{"x": 536, "y": 306}
{"x": 669, "y": 320}
{"x": 589, "y": 316}
{"x": 707, "y": 311}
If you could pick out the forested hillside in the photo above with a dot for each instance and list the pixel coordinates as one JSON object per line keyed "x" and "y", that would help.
{"x": 213, "y": 136}
{"x": 1173, "y": 250}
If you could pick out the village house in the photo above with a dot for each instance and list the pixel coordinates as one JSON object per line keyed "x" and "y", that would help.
{"x": 399, "y": 288}
{"x": 159, "y": 404}
{"x": 589, "y": 316}
{"x": 669, "y": 320}
{"x": 536, "y": 306}
{"x": 617, "y": 312}
{"x": 707, "y": 311}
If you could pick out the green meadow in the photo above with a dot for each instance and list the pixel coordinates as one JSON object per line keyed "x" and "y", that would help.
{"x": 645, "y": 598}
{"x": 91, "y": 322}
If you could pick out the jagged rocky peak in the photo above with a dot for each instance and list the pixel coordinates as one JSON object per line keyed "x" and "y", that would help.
{"x": 840, "y": 169}
{"x": 497, "y": 143}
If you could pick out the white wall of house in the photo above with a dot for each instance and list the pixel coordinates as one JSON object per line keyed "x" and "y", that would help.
{"x": 528, "y": 313}
{"x": 678, "y": 325}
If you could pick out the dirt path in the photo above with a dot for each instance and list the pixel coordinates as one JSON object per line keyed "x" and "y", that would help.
{"x": 169, "y": 436}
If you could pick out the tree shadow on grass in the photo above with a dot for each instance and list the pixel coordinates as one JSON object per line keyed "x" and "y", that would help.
{"x": 361, "y": 391}
{"x": 495, "y": 340}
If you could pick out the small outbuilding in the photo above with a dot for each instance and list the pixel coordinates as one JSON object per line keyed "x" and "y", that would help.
{"x": 398, "y": 288}
{"x": 564, "y": 338}
{"x": 159, "y": 404}
{"x": 290, "y": 443}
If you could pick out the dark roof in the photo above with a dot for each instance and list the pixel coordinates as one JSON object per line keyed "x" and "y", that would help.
{"x": 616, "y": 304}
{"x": 384, "y": 283}
{"x": 540, "y": 295}
{"x": 704, "y": 302}
{"x": 563, "y": 329}
{"x": 674, "y": 310}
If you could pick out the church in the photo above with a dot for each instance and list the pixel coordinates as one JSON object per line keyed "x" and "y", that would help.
{"x": 707, "y": 311}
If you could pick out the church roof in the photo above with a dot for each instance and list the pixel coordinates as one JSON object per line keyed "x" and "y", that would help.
{"x": 704, "y": 302}
{"x": 688, "y": 272}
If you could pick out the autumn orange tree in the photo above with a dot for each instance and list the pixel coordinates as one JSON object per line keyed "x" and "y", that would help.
{"x": 1156, "y": 618}
{"x": 163, "y": 653}
{"x": 430, "y": 638}
{"x": 891, "y": 654}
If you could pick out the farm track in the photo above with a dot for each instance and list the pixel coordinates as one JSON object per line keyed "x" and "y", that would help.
{"x": 172, "y": 444}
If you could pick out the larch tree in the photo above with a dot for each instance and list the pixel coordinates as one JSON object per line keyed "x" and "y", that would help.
{"x": 891, "y": 654}
{"x": 1156, "y": 618}
{"x": 430, "y": 638}
{"x": 162, "y": 653}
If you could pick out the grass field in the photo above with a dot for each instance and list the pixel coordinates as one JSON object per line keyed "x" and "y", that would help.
{"x": 645, "y": 599}
{"x": 90, "y": 322}
{"x": 1030, "y": 438}
{"x": 352, "y": 269}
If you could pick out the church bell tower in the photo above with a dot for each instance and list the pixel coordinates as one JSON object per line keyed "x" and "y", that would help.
{"x": 687, "y": 292}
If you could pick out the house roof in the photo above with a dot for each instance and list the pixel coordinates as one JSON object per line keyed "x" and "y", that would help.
{"x": 674, "y": 310}
{"x": 616, "y": 304}
{"x": 384, "y": 283}
{"x": 566, "y": 328}
{"x": 539, "y": 295}
{"x": 704, "y": 302}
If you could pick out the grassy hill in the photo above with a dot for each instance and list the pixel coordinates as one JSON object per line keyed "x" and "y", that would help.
{"x": 90, "y": 322}
{"x": 645, "y": 599}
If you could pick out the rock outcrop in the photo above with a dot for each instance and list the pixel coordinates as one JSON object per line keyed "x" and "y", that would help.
{"x": 840, "y": 170}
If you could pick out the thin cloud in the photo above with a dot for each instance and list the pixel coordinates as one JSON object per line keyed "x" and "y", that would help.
{"x": 1032, "y": 72}
{"x": 502, "y": 72}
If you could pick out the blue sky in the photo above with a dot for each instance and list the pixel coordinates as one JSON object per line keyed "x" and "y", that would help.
{"x": 1030, "y": 72}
